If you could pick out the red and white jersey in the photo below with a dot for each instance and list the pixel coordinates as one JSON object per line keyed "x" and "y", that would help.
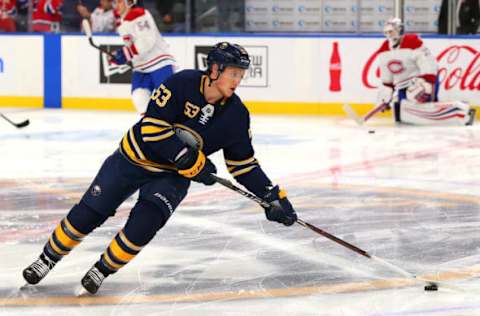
{"x": 8, "y": 9}
{"x": 47, "y": 15}
{"x": 102, "y": 21}
{"x": 408, "y": 60}
{"x": 144, "y": 45}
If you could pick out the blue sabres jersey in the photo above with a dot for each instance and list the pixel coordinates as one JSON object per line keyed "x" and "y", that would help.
{"x": 179, "y": 115}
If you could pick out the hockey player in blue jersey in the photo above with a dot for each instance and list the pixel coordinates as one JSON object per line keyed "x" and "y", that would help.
{"x": 190, "y": 116}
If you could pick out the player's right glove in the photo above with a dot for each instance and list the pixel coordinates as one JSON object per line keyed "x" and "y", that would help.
{"x": 280, "y": 209}
{"x": 121, "y": 56}
{"x": 193, "y": 164}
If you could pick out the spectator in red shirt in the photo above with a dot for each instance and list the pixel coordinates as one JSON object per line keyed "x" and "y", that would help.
{"x": 47, "y": 15}
{"x": 8, "y": 12}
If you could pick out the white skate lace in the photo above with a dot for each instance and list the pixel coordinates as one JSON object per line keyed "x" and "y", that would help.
{"x": 41, "y": 268}
{"x": 96, "y": 276}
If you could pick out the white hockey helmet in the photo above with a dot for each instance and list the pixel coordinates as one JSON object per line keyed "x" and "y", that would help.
{"x": 393, "y": 30}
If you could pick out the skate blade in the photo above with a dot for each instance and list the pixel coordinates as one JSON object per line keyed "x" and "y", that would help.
{"x": 26, "y": 286}
{"x": 81, "y": 292}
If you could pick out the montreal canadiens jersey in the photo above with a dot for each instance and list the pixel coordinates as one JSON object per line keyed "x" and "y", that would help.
{"x": 408, "y": 60}
{"x": 8, "y": 8}
{"x": 102, "y": 21}
{"x": 178, "y": 115}
{"x": 144, "y": 45}
{"x": 47, "y": 15}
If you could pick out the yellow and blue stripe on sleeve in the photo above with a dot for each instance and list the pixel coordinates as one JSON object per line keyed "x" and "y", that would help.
{"x": 238, "y": 168}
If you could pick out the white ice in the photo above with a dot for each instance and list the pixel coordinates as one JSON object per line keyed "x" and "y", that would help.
{"x": 408, "y": 195}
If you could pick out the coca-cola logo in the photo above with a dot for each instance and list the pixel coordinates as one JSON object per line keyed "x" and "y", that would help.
{"x": 459, "y": 68}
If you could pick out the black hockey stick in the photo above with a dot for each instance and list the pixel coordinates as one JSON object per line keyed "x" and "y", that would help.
{"x": 429, "y": 283}
{"x": 17, "y": 125}
{"x": 88, "y": 32}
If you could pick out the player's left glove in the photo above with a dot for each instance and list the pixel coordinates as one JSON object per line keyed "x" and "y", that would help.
{"x": 121, "y": 56}
{"x": 280, "y": 209}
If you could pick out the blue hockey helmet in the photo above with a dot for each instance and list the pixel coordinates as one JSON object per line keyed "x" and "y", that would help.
{"x": 225, "y": 54}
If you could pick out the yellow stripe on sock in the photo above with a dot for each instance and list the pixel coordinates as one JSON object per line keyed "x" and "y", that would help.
{"x": 127, "y": 242}
{"x": 113, "y": 265}
{"x": 73, "y": 230}
{"x": 119, "y": 253}
{"x": 55, "y": 248}
{"x": 64, "y": 239}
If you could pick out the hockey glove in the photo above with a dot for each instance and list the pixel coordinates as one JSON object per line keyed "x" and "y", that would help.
{"x": 121, "y": 56}
{"x": 384, "y": 96}
{"x": 193, "y": 164}
{"x": 280, "y": 209}
{"x": 420, "y": 90}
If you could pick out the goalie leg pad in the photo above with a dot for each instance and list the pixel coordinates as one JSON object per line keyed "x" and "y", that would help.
{"x": 436, "y": 113}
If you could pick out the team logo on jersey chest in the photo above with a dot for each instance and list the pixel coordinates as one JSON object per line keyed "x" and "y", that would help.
{"x": 395, "y": 66}
{"x": 207, "y": 113}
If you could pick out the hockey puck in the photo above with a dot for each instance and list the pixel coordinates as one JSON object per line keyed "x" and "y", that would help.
{"x": 371, "y": 131}
{"x": 431, "y": 287}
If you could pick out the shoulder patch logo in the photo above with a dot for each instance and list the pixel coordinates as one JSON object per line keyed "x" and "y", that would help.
{"x": 96, "y": 190}
{"x": 207, "y": 112}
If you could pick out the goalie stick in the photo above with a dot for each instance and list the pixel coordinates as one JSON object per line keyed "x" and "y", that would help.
{"x": 360, "y": 120}
{"x": 17, "y": 125}
{"x": 228, "y": 184}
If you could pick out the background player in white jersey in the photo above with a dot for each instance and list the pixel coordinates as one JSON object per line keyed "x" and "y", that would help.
{"x": 409, "y": 77}
{"x": 102, "y": 18}
{"x": 145, "y": 49}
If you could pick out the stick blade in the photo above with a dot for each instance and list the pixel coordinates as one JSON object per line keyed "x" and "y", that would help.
{"x": 86, "y": 27}
{"x": 23, "y": 124}
{"x": 351, "y": 113}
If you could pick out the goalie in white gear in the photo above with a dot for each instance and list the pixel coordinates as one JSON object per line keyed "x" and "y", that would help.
{"x": 408, "y": 73}
{"x": 145, "y": 50}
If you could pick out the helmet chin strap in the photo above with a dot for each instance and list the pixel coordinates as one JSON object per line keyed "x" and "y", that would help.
{"x": 394, "y": 41}
{"x": 219, "y": 72}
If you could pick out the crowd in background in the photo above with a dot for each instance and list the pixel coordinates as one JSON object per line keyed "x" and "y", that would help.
{"x": 54, "y": 16}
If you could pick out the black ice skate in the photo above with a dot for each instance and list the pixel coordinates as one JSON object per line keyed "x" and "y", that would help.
{"x": 35, "y": 272}
{"x": 92, "y": 280}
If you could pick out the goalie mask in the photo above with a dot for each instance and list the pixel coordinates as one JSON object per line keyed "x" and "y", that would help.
{"x": 393, "y": 31}
{"x": 130, "y": 3}
{"x": 225, "y": 54}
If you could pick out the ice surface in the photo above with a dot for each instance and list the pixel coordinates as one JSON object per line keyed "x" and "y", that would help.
{"x": 408, "y": 195}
